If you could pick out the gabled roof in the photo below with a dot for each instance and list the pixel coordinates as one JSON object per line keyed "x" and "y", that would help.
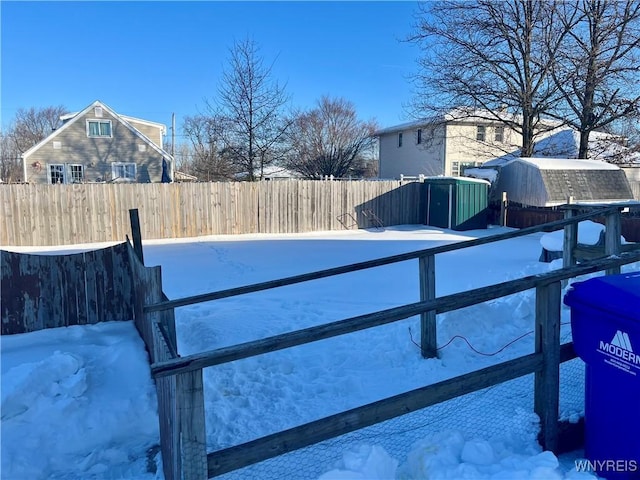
{"x": 158, "y": 125}
{"x": 547, "y": 182}
{"x": 79, "y": 115}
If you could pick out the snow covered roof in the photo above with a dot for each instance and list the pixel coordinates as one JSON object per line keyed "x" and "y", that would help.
{"x": 545, "y": 163}
{"x": 546, "y": 182}
{"x": 466, "y": 179}
{"x": 567, "y": 164}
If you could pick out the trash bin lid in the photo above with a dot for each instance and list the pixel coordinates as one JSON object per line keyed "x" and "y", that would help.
{"x": 617, "y": 294}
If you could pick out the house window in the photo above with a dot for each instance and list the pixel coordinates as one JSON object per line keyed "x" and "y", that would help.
{"x": 481, "y": 133}
{"x": 499, "y": 134}
{"x": 99, "y": 128}
{"x": 76, "y": 173}
{"x": 56, "y": 173}
{"x": 455, "y": 169}
{"x": 400, "y": 139}
{"x": 419, "y": 136}
{"x": 123, "y": 171}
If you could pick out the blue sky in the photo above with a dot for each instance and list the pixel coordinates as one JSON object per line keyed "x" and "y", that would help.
{"x": 151, "y": 59}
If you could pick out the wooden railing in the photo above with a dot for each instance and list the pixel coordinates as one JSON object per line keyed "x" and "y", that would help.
{"x": 544, "y": 363}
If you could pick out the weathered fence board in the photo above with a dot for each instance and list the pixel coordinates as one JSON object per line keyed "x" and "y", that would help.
{"x": 71, "y": 214}
{"x": 48, "y": 291}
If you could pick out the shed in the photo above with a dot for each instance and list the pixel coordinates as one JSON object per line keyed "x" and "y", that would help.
{"x": 456, "y": 203}
{"x": 549, "y": 182}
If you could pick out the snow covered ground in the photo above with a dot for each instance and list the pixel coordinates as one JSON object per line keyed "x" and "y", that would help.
{"x": 79, "y": 402}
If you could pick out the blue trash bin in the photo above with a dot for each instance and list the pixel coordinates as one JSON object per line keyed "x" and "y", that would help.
{"x": 605, "y": 324}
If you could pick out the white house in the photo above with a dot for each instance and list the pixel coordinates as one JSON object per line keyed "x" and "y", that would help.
{"x": 443, "y": 145}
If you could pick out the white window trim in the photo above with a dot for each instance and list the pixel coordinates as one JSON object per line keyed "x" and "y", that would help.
{"x": 501, "y": 131}
{"x": 114, "y": 177}
{"x": 97, "y": 120}
{"x": 64, "y": 173}
{"x": 69, "y": 175}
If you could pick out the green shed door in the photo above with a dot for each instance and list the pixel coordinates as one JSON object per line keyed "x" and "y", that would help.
{"x": 439, "y": 204}
{"x": 471, "y": 207}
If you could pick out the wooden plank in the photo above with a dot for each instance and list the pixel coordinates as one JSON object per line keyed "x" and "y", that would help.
{"x": 547, "y": 380}
{"x": 190, "y": 401}
{"x": 570, "y": 239}
{"x": 239, "y": 456}
{"x": 428, "y": 334}
{"x": 440, "y": 305}
{"x": 148, "y": 288}
{"x": 168, "y": 414}
{"x": 136, "y": 234}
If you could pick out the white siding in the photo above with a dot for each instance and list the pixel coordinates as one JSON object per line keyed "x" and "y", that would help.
{"x": 411, "y": 158}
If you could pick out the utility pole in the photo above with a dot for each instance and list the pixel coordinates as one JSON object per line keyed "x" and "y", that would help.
{"x": 173, "y": 135}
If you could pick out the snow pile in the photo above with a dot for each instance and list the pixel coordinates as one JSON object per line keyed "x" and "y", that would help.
{"x": 77, "y": 402}
{"x": 450, "y": 455}
{"x": 488, "y": 174}
{"x": 589, "y": 233}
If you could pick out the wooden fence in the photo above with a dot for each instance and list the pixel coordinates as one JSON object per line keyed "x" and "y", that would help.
{"x": 49, "y": 291}
{"x": 544, "y": 363}
{"x": 87, "y": 213}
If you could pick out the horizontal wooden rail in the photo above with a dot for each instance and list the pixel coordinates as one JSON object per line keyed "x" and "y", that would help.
{"x": 589, "y": 252}
{"x": 440, "y": 305}
{"x": 256, "y": 287}
{"x": 239, "y": 456}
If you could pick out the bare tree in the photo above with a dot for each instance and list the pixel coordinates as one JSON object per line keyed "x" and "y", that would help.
{"x": 598, "y": 68}
{"x": 10, "y": 163}
{"x": 490, "y": 60}
{"x": 330, "y": 140}
{"x": 34, "y": 124}
{"x": 28, "y": 127}
{"x": 204, "y": 136}
{"x": 249, "y": 110}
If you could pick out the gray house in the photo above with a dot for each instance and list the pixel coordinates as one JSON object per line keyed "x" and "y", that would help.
{"x": 99, "y": 145}
{"x": 549, "y": 182}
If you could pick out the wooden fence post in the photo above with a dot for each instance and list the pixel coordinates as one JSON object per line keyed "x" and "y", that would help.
{"x": 136, "y": 234}
{"x": 428, "y": 340}
{"x": 547, "y": 380}
{"x": 503, "y": 210}
{"x": 613, "y": 230}
{"x": 570, "y": 239}
{"x": 190, "y": 396}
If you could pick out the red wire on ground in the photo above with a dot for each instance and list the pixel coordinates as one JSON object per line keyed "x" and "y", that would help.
{"x": 472, "y": 347}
